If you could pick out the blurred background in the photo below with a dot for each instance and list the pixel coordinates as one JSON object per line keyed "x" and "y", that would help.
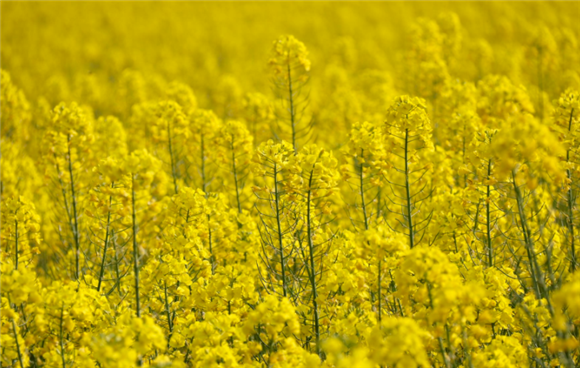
{"x": 90, "y": 51}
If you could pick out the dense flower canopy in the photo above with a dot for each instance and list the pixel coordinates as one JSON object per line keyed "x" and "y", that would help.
{"x": 290, "y": 184}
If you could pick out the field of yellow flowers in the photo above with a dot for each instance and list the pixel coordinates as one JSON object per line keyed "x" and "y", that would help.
{"x": 290, "y": 184}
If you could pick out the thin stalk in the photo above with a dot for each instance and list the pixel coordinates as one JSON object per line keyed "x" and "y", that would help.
{"x": 135, "y": 250}
{"x": 168, "y": 312}
{"x": 313, "y": 270}
{"x": 279, "y": 224}
{"x": 210, "y": 240}
{"x": 101, "y": 273}
{"x": 16, "y": 244}
{"x": 17, "y": 344}
{"x": 527, "y": 238}
{"x": 408, "y": 190}
{"x": 23, "y": 311}
{"x": 117, "y": 272}
{"x": 362, "y": 192}
{"x": 488, "y": 211}
{"x": 65, "y": 200}
{"x": 364, "y": 208}
{"x": 571, "y": 203}
{"x": 75, "y": 216}
{"x": 440, "y": 340}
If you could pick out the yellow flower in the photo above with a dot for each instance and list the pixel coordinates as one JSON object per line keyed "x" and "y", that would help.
{"x": 289, "y": 53}
{"x": 398, "y": 341}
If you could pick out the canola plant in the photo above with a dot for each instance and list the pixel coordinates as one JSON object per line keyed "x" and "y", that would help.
{"x": 290, "y": 184}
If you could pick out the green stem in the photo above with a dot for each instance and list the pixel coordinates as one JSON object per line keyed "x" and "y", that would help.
{"x": 527, "y": 238}
{"x": 362, "y": 192}
{"x": 16, "y": 244}
{"x": 210, "y": 240}
{"x": 312, "y": 268}
{"x": 17, "y": 344}
{"x": 571, "y": 204}
{"x": 279, "y": 224}
{"x": 101, "y": 273}
{"x": 364, "y": 208}
{"x": 408, "y": 190}
{"x": 135, "y": 248}
{"x": 439, "y": 339}
{"x": 168, "y": 312}
{"x": 65, "y": 200}
{"x": 75, "y": 216}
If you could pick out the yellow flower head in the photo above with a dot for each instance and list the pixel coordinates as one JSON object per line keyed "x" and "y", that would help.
{"x": 289, "y": 56}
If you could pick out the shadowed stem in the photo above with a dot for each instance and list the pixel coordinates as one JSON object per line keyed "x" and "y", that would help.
{"x": 527, "y": 239}
{"x": 75, "y": 216}
{"x": 135, "y": 250}
{"x": 364, "y": 208}
{"x": 168, "y": 313}
{"x": 488, "y": 210}
{"x": 106, "y": 243}
{"x": 408, "y": 190}
{"x": 312, "y": 274}
{"x": 278, "y": 222}
{"x": 17, "y": 344}
{"x": 15, "y": 244}
{"x": 571, "y": 203}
